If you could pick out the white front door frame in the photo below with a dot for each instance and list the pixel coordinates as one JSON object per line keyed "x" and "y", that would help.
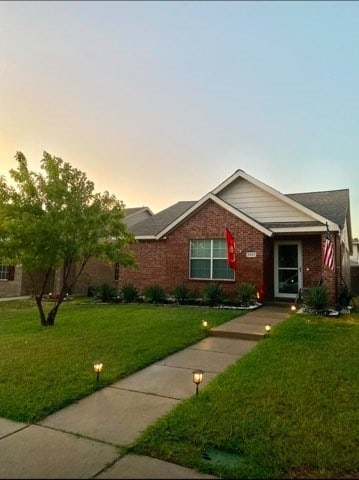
{"x": 295, "y": 268}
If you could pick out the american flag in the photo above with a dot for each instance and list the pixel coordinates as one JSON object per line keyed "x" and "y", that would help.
{"x": 328, "y": 251}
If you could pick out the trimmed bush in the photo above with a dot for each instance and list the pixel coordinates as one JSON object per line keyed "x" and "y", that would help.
{"x": 182, "y": 293}
{"x": 105, "y": 292}
{"x": 214, "y": 294}
{"x": 129, "y": 293}
{"x": 246, "y": 294}
{"x": 155, "y": 294}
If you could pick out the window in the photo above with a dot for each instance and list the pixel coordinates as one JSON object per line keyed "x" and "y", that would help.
{"x": 208, "y": 260}
{"x": 7, "y": 272}
{"x": 4, "y": 271}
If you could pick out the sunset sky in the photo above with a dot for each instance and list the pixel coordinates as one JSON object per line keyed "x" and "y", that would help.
{"x": 161, "y": 101}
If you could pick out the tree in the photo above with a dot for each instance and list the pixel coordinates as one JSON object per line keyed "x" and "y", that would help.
{"x": 54, "y": 220}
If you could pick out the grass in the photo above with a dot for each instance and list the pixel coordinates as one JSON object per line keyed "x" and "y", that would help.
{"x": 287, "y": 409}
{"x": 45, "y": 369}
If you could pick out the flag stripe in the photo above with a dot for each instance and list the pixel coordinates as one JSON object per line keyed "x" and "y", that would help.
{"x": 328, "y": 258}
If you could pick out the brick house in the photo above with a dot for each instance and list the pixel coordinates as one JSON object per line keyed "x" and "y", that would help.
{"x": 279, "y": 241}
{"x": 15, "y": 282}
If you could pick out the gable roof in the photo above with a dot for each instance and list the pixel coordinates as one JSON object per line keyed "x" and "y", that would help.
{"x": 316, "y": 209}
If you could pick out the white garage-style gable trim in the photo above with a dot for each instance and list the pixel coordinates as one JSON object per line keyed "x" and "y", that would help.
{"x": 263, "y": 203}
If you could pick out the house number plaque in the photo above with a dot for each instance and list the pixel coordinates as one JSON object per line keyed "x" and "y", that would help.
{"x": 251, "y": 254}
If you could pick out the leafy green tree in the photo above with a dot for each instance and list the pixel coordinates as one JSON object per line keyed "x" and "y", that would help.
{"x": 54, "y": 220}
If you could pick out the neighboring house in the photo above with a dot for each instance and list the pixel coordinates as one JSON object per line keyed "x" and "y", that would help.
{"x": 354, "y": 268}
{"x": 279, "y": 241}
{"x": 14, "y": 282}
{"x": 136, "y": 215}
{"x": 354, "y": 258}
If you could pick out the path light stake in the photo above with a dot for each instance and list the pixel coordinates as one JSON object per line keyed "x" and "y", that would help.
{"x": 293, "y": 308}
{"x": 97, "y": 367}
{"x": 204, "y": 323}
{"x": 197, "y": 378}
{"x": 268, "y": 328}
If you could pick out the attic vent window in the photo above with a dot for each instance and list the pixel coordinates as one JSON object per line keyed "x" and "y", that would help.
{"x": 208, "y": 260}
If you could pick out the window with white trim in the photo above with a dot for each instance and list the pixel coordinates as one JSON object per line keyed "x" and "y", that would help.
{"x": 208, "y": 260}
{"x": 4, "y": 271}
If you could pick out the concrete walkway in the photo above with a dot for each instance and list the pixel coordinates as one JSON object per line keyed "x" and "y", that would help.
{"x": 84, "y": 440}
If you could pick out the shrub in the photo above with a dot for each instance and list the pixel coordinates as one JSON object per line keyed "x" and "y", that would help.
{"x": 317, "y": 298}
{"x": 105, "y": 292}
{"x": 155, "y": 294}
{"x": 129, "y": 293}
{"x": 182, "y": 293}
{"x": 246, "y": 294}
{"x": 214, "y": 294}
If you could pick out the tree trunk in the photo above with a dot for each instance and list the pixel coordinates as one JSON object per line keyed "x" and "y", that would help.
{"x": 50, "y": 321}
{"x": 38, "y": 299}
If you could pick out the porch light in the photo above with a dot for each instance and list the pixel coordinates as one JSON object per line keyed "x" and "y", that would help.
{"x": 97, "y": 368}
{"x": 197, "y": 378}
{"x": 268, "y": 327}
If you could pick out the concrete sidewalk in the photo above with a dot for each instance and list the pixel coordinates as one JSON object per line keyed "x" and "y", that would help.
{"x": 84, "y": 440}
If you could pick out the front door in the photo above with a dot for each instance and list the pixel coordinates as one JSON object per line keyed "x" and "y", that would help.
{"x": 287, "y": 268}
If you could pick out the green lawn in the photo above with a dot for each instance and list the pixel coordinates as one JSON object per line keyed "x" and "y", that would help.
{"x": 288, "y": 409}
{"x": 44, "y": 369}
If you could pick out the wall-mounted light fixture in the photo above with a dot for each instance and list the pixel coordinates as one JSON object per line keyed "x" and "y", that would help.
{"x": 197, "y": 378}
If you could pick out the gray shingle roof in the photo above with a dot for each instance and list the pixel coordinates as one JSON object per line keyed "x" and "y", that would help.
{"x": 331, "y": 204}
{"x": 156, "y": 223}
{"x": 291, "y": 224}
{"x": 132, "y": 210}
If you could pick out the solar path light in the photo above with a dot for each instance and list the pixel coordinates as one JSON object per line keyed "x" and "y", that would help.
{"x": 97, "y": 368}
{"x": 197, "y": 378}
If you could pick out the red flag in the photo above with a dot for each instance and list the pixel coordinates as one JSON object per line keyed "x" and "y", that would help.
{"x": 231, "y": 250}
{"x": 328, "y": 258}
{"x": 260, "y": 292}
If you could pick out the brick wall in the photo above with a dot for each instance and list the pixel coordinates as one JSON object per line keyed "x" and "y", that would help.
{"x": 12, "y": 288}
{"x": 166, "y": 262}
{"x": 94, "y": 273}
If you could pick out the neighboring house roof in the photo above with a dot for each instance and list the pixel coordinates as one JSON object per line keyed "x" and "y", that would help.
{"x": 136, "y": 215}
{"x": 247, "y": 197}
{"x": 132, "y": 211}
{"x": 156, "y": 223}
